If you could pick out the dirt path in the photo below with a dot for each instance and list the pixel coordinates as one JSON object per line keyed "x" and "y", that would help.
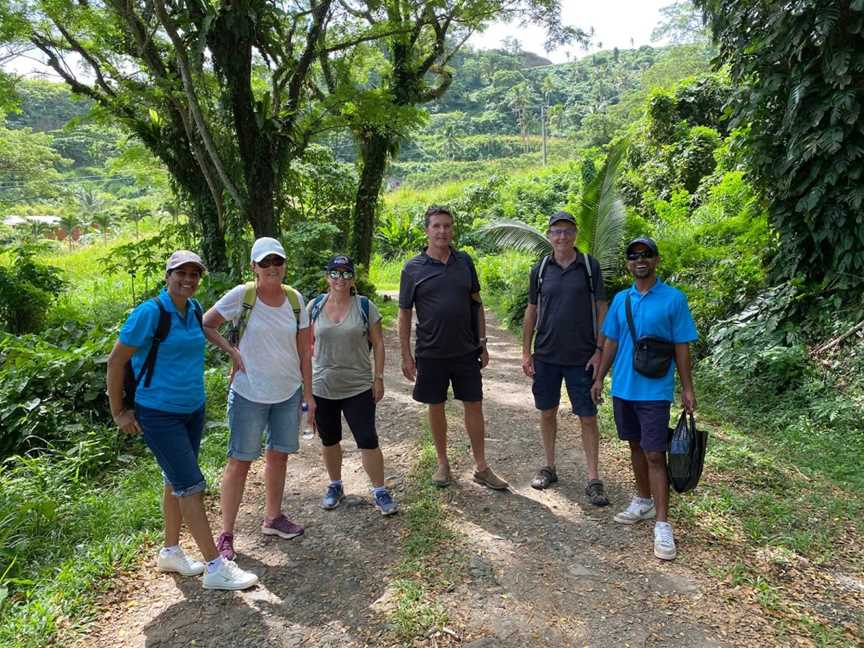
{"x": 541, "y": 568}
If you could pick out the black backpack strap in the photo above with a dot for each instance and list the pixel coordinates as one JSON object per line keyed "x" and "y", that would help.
{"x": 162, "y": 329}
{"x": 629, "y": 311}
{"x": 589, "y": 276}
{"x": 540, "y": 272}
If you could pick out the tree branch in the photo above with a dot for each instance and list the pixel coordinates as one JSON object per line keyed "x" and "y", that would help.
{"x": 194, "y": 105}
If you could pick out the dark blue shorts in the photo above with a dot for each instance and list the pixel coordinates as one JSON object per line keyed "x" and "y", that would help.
{"x": 644, "y": 421}
{"x": 547, "y": 387}
{"x": 174, "y": 439}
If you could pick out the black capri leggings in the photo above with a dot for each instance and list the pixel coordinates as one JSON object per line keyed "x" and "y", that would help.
{"x": 359, "y": 411}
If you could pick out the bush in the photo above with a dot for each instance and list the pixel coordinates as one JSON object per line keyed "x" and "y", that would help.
{"x": 27, "y": 290}
{"x": 47, "y": 391}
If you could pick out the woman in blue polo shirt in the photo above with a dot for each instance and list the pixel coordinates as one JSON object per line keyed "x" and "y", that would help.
{"x": 169, "y": 412}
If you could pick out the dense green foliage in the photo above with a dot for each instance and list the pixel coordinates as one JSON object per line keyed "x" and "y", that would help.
{"x": 801, "y": 76}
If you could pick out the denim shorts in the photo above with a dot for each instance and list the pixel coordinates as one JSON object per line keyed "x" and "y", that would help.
{"x": 248, "y": 420}
{"x": 547, "y": 387}
{"x": 174, "y": 439}
{"x": 644, "y": 421}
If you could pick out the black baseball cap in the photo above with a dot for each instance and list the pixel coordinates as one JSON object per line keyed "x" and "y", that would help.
{"x": 340, "y": 261}
{"x": 561, "y": 216}
{"x": 647, "y": 242}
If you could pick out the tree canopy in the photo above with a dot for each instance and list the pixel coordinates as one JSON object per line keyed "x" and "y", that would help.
{"x": 801, "y": 73}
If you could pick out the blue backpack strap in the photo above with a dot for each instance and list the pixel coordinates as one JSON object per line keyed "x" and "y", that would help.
{"x": 317, "y": 305}
{"x": 364, "y": 311}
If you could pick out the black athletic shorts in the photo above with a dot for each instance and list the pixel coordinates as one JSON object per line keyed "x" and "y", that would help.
{"x": 434, "y": 375}
{"x": 359, "y": 411}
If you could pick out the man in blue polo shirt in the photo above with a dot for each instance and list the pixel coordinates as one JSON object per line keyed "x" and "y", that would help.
{"x": 641, "y": 404}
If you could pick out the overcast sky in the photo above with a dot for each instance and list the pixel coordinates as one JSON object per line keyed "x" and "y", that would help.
{"x": 615, "y": 22}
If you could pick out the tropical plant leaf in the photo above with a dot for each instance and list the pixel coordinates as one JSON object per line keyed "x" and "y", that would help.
{"x": 601, "y": 217}
{"x": 516, "y": 235}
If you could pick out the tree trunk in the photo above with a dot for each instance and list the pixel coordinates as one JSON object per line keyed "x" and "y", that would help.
{"x": 231, "y": 40}
{"x": 374, "y": 148}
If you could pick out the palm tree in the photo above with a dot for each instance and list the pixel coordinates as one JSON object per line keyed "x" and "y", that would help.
{"x": 600, "y": 219}
{"x": 69, "y": 221}
{"x": 103, "y": 220}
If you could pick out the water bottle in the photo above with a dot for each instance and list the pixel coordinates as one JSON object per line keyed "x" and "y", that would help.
{"x": 307, "y": 427}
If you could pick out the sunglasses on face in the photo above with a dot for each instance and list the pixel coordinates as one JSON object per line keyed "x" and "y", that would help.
{"x": 340, "y": 274}
{"x": 273, "y": 260}
{"x": 635, "y": 256}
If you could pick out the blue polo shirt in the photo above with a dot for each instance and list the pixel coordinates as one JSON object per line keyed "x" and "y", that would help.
{"x": 662, "y": 312}
{"x": 177, "y": 385}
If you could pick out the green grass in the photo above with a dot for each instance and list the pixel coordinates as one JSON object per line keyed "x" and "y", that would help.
{"x": 69, "y": 530}
{"x": 385, "y": 273}
{"x": 429, "y": 562}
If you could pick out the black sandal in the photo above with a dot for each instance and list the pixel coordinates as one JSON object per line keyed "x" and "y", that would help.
{"x": 544, "y": 477}
{"x": 596, "y": 493}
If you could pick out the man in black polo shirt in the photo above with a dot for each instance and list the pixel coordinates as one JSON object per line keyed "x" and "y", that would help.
{"x": 566, "y": 305}
{"x": 451, "y": 340}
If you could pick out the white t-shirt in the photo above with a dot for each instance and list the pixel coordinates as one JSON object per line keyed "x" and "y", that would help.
{"x": 268, "y": 348}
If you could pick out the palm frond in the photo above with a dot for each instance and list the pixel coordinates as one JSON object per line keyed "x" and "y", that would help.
{"x": 601, "y": 215}
{"x": 516, "y": 235}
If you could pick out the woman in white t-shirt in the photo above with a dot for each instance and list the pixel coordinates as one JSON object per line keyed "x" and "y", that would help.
{"x": 344, "y": 326}
{"x": 272, "y": 376}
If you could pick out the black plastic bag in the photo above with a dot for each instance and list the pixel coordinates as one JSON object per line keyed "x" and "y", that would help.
{"x": 685, "y": 456}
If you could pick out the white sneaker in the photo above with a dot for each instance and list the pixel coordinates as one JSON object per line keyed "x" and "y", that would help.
{"x": 229, "y": 577}
{"x": 179, "y": 562}
{"x": 639, "y": 509}
{"x": 664, "y": 543}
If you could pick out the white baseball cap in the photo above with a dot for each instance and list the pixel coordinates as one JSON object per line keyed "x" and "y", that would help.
{"x": 264, "y": 247}
{"x": 182, "y": 257}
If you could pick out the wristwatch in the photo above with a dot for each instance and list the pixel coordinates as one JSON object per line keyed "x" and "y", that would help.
{"x": 379, "y": 376}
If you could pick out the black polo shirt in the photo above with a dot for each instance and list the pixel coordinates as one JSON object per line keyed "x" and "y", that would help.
{"x": 565, "y": 335}
{"x": 441, "y": 294}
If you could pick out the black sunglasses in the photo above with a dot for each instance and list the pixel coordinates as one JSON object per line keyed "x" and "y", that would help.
{"x": 635, "y": 256}
{"x": 272, "y": 260}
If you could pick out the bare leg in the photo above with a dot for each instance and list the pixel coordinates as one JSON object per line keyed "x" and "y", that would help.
{"x": 373, "y": 464}
{"x": 192, "y": 508}
{"x": 438, "y": 426}
{"x": 659, "y": 483}
{"x": 173, "y": 517}
{"x": 549, "y": 430}
{"x": 590, "y": 444}
{"x": 332, "y": 456}
{"x": 233, "y": 484}
{"x": 274, "y": 480}
{"x": 476, "y": 428}
{"x": 640, "y": 469}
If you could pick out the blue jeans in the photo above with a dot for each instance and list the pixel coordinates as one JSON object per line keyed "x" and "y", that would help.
{"x": 174, "y": 439}
{"x": 248, "y": 420}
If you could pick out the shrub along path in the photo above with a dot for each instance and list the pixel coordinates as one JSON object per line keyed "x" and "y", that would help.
{"x": 460, "y": 566}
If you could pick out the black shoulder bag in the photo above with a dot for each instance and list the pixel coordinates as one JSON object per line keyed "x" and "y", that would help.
{"x": 651, "y": 355}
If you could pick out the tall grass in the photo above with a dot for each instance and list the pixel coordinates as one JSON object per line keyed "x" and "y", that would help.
{"x": 75, "y": 516}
